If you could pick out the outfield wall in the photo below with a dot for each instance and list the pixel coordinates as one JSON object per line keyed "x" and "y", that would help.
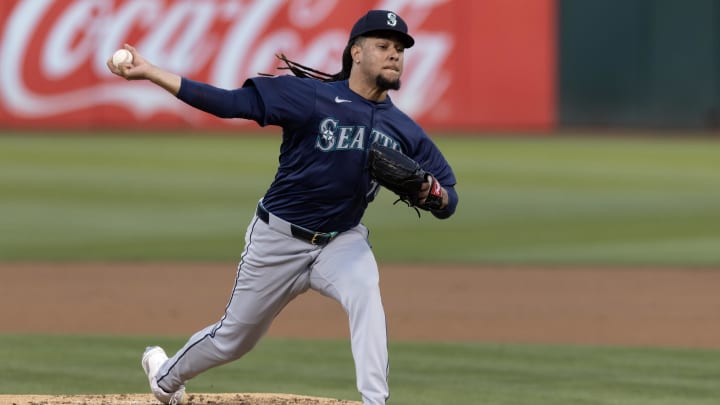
{"x": 487, "y": 64}
{"x": 527, "y": 65}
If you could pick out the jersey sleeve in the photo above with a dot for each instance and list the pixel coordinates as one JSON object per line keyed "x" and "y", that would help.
{"x": 287, "y": 100}
{"x": 238, "y": 103}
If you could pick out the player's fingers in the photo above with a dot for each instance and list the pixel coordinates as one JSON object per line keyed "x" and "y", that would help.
{"x": 424, "y": 191}
{"x": 122, "y": 70}
{"x": 111, "y": 66}
{"x": 422, "y": 195}
{"x": 137, "y": 59}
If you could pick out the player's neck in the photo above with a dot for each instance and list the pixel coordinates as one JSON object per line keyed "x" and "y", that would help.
{"x": 369, "y": 91}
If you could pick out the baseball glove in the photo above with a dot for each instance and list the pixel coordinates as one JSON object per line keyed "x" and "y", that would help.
{"x": 403, "y": 176}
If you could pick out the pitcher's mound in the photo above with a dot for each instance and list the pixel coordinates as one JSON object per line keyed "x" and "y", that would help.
{"x": 148, "y": 399}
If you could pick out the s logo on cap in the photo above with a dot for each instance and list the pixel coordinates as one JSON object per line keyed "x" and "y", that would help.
{"x": 392, "y": 19}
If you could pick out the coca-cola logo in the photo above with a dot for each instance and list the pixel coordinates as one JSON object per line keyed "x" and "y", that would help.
{"x": 53, "y": 53}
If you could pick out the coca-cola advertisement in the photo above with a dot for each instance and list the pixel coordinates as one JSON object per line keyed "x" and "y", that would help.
{"x": 475, "y": 66}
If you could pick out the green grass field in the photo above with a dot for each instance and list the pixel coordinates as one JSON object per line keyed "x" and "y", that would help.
{"x": 420, "y": 374}
{"x": 524, "y": 200}
{"x": 541, "y": 200}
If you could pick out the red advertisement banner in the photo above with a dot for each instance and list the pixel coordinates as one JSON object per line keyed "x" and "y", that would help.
{"x": 486, "y": 65}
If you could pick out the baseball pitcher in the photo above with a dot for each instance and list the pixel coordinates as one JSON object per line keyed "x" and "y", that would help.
{"x": 342, "y": 139}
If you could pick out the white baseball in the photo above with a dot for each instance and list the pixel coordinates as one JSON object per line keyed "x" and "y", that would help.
{"x": 121, "y": 56}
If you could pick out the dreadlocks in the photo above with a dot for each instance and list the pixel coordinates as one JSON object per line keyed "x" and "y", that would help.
{"x": 308, "y": 72}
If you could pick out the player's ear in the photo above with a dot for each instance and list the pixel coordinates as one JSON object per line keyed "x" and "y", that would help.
{"x": 355, "y": 50}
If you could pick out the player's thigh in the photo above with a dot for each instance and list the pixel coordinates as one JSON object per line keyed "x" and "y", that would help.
{"x": 273, "y": 270}
{"x": 345, "y": 266}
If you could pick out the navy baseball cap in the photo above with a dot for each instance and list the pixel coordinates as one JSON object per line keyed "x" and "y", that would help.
{"x": 382, "y": 20}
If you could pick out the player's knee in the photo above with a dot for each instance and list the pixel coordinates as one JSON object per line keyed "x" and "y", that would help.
{"x": 236, "y": 339}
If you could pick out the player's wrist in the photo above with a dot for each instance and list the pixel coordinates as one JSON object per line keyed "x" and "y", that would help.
{"x": 168, "y": 81}
{"x": 445, "y": 199}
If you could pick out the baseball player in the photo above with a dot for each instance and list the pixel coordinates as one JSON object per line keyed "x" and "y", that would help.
{"x": 306, "y": 231}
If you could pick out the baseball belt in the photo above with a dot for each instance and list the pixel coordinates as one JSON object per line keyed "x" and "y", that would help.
{"x": 312, "y": 237}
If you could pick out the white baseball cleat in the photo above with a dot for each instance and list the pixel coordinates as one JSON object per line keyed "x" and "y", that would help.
{"x": 152, "y": 360}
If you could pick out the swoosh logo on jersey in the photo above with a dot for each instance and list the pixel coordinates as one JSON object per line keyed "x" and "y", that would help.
{"x": 341, "y": 100}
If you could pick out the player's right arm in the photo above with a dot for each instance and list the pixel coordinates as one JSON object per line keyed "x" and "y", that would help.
{"x": 238, "y": 103}
{"x": 141, "y": 69}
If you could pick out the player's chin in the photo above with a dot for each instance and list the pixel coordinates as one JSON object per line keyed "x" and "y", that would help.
{"x": 388, "y": 81}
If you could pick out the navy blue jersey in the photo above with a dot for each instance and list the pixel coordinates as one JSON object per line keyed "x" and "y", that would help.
{"x": 322, "y": 182}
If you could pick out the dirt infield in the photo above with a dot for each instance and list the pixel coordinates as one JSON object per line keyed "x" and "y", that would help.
{"x": 643, "y": 307}
{"x": 147, "y": 399}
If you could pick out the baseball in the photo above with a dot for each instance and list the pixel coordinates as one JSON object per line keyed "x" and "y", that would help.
{"x": 121, "y": 56}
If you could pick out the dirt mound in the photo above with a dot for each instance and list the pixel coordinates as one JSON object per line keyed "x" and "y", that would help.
{"x": 147, "y": 399}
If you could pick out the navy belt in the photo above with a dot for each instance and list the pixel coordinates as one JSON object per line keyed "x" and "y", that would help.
{"x": 312, "y": 237}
